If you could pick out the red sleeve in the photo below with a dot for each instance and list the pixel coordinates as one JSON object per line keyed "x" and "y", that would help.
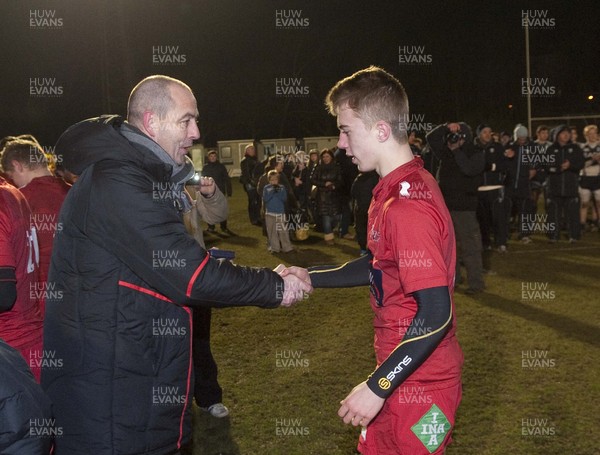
{"x": 7, "y": 257}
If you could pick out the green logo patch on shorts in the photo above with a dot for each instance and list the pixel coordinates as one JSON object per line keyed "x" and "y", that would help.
{"x": 431, "y": 429}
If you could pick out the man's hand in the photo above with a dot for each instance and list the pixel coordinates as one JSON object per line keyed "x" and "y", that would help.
{"x": 566, "y": 165}
{"x": 293, "y": 270}
{"x": 296, "y": 282}
{"x": 361, "y": 406}
{"x": 453, "y": 127}
{"x": 206, "y": 186}
{"x": 294, "y": 290}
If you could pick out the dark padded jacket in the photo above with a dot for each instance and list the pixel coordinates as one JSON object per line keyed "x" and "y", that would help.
{"x": 124, "y": 272}
{"x": 26, "y": 426}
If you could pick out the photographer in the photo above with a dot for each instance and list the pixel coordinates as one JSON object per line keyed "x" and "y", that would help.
{"x": 459, "y": 175}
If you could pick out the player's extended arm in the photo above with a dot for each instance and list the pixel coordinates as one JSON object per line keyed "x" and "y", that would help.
{"x": 8, "y": 288}
{"x": 352, "y": 273}
{"x": 434, "y": 314}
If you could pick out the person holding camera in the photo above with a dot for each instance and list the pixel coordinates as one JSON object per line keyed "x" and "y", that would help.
{"x": 459, "y": 175}
{"x": 274, "y": 200}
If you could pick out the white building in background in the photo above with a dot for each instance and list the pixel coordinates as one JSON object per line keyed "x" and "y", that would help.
{"x": 231, "y": 151}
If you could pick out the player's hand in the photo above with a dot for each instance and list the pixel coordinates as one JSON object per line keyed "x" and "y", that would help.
{"x": 566, "y": 165}
{"x": 206, "y": 186}
{"x": 360, "y": 406}
{"x": 300, "y": 272}
{"x": 294, "y": 290}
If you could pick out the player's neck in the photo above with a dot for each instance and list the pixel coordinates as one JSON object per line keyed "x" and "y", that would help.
{"x": 393, "y": 158}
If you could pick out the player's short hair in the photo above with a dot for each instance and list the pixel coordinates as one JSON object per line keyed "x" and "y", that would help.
{"x": 589, "y": 128}
{"x": 374, "y": 95}
{"x": 541, "y": 128}
{"x": 152, "y": 94}
{"x": 27, "y": 152}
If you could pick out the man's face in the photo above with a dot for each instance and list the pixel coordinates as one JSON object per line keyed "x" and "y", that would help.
{"x": 251, "y": 151}
{"x": 563, "y": 137}
{"x": 592, "y": 135}
{"x": 178, "y": 130}
{"x": 542, "y": 135}
{"x": 212, "y": 157}
{"x": 358, "y": 141}
{"x": 485, "y": 135}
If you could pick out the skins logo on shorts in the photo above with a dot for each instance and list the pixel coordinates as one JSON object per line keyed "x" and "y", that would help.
{"x": 432, "y": 428}
{"x": 384, "y": 383}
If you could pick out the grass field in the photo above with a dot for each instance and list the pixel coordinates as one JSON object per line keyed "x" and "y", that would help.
{"x": 531, "y": 380}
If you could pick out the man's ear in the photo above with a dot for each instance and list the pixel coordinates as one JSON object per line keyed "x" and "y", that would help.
{"x": 17, "y": 166}
{"x": 384, "y": 130}
{"x": 151, "y": 123}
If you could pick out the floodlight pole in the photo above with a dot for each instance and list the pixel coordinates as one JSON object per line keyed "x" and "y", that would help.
{"x": 528, "y": 73}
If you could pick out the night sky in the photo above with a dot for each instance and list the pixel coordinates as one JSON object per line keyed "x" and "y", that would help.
{"x": 66, "y": 60}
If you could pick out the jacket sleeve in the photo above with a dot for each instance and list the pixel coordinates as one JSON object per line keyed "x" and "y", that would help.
{"x": 214, "y": 209}
{"x": 470, "y": 165}
{"x": 137, "y": 223}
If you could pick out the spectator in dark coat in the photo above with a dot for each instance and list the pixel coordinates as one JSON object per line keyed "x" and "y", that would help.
{"x": 349, "y": 173}
{"x": 562, "y": 198}
{"x": 328, "y": 179}
{"x": 217, "y": 170}
{"x": 247, "y": 179}
{"x": 362, "y": 193}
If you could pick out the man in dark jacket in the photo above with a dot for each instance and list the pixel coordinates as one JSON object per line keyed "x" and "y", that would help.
{"x": 126, "y": 272}
{"x": 248, "y": 180}
{"x": 562, "y": 198}
{"x": 522, "y": 153}
{"x": 26, "y": 420}
{"x": 217, "y": 170}
{"x": 459, "y": 174}
{"x": 493, "y": 206}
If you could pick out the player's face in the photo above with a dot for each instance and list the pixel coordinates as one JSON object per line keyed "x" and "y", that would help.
{"x": 358, "y": 140}
{"x": 178, "y": 130}
{"x": 542, "y": 135}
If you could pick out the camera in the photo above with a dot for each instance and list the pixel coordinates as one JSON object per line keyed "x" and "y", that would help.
{"x": 453, "y": 138}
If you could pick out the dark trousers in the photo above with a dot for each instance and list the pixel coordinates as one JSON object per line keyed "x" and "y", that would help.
{"x": 361, "y": 220}
{"x": 524, "y": 209}
{"x": 469, "y": 248}
{"x": 207, "y": 390}
{"x": 492, "y": 214}
{"x": 223, "y": 225}
{"x": 253, "y": 205}
{"x": 345, "y": 218}
{"x": 563, "y": 211}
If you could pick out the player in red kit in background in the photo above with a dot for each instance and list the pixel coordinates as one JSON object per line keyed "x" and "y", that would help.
{"x": 408, "y": 404}
{"x": 26, "y": 164}
{"x": 20, "y": 316}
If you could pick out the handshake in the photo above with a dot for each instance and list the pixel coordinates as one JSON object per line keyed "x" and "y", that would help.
{"x": 296, "y": 284}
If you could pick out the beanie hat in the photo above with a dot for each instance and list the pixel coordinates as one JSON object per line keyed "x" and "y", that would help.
{"x": 520, "y": 131}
